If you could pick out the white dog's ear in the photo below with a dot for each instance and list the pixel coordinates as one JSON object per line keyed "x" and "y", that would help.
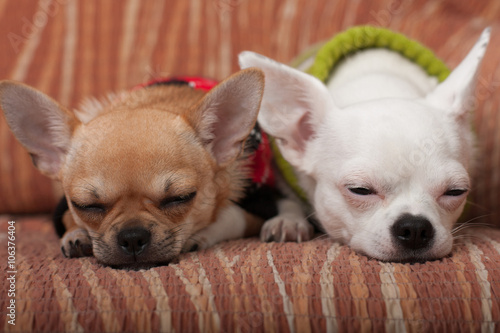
{"x": 293, "y": 105}
{"x": 40, "y": 124}
{"x": 227, "y": 114}
{"x": 456, "y": 93}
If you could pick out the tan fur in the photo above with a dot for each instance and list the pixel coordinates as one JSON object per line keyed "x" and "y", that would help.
{"x": 129, "y": 154}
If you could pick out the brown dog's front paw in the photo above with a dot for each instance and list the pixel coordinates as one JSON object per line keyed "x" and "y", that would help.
{"x": 76, "y": 243}
{"x": 192, "y": 245}
{"x": 196, "y": 243}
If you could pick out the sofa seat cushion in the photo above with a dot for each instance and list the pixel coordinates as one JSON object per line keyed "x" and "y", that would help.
{"x": 246, "y": 285}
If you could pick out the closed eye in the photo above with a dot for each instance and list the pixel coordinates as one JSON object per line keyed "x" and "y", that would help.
{"x": 94, "y": 208}
{"x": 359, "y": 190}
{"x": 173, "y": 201}
{"x": 456, "y": 192}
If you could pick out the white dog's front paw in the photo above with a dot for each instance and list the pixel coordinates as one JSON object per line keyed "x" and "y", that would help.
{"x": 286, "y": 229}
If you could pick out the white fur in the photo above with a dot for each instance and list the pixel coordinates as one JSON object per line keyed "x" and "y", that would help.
{"x": 289, "y": 225}
{"x": 356, "y": 79}
{"x": 230, "y": 224}
{"x": 383, "y": 125}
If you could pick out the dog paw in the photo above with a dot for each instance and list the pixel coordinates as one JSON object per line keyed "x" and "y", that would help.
{"x": 286, "y": 229}
{"x": 196, "y": 243}
{"x": 76, "y": 243}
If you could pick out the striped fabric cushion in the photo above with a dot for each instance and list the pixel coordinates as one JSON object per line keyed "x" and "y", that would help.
{"x": 249, "y": 286}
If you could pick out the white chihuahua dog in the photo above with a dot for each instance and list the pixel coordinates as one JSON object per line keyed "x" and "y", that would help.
{"x": 382, "y": 151}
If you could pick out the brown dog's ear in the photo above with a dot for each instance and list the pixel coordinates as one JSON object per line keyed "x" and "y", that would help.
{"x": 42, "y": 126}
{"x": 227, "y": 114}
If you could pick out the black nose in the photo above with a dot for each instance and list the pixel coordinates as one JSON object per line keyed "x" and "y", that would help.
{"x": 412, "y": 232}
{"x": 133, "y": 241}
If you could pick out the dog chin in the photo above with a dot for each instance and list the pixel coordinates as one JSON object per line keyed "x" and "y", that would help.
{"x": 154, "y": 256}
{"x": 388, "y": 252}
{"x": 136, "y": 266}
{"x": 135, "y": 263}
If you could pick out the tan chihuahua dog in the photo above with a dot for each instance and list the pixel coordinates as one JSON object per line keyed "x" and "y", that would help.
{"x": 148, "y": 174}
